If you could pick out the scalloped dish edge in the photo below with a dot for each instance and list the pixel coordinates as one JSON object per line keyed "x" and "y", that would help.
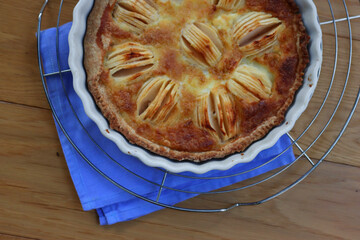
{"x": 301, "y": 101}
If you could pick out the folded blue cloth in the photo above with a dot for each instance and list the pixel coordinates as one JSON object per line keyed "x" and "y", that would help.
{"x": 95, "y": 192}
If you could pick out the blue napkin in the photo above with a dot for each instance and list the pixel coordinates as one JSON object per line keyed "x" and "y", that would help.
{"x": 95, "y": 192}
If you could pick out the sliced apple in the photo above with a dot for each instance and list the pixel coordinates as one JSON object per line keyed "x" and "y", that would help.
{"x": 216, "y": 113}
{"x": 157, "y": 98}
{"x": 202, "y": 44}
{"x": 250, "y": 83}
{"x": 135, "y": 15}
{"x": 255, "y": 32}
{"x": 129, "y": 61}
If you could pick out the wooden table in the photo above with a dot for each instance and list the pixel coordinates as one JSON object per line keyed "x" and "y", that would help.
{"x": 38, "y": 200}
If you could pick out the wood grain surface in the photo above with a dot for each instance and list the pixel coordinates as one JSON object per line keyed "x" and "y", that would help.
{"x": 38, "y": 199}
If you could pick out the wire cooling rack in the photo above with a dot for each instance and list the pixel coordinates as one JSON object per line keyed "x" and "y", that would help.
{"x": 295, "y": 140}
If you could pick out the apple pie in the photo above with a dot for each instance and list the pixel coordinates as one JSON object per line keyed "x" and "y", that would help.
{"x": 194, "y": 79}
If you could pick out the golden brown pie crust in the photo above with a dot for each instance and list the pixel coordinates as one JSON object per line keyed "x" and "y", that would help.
{"x": 180, "y": 134}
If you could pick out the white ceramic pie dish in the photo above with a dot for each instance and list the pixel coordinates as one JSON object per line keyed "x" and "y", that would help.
{"x": 303, "y": 96}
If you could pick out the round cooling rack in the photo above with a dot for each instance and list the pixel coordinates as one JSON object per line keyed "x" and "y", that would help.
{"x": 303, "y": 163}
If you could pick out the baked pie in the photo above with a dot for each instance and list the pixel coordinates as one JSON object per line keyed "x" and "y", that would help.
{"x": 194, "y": 79}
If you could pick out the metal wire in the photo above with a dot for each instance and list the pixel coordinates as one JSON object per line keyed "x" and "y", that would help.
{"x": 162, "y": 185}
